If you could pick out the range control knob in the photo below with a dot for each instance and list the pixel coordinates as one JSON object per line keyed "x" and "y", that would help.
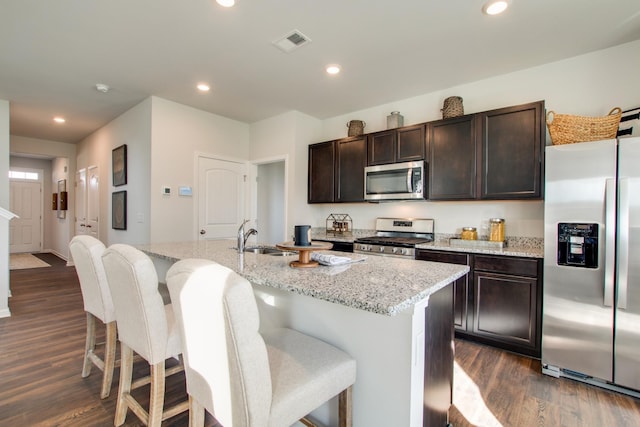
{"x": 395, "y": 250}
{"x": 381, "y": 249}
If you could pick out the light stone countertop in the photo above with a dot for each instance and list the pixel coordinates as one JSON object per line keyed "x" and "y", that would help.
{"x": 528, "y": 247}
{"x": 519, "y": 251}
{"x": 383, "y": 285}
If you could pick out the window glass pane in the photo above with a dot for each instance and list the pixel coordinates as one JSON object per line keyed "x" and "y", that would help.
{"x": 24, "y": 175}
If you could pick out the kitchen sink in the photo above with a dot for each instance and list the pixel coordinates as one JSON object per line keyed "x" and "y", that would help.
{"x": 268, "y": 251}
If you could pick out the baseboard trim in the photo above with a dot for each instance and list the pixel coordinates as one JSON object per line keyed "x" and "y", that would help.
{"x": 5, "y": 313}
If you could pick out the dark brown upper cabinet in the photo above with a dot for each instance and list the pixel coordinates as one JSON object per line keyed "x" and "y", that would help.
{"x": 321, "y": 183}
{"x": 336, "y": 170}
{"x": 351, "y": 158}
{"x": 452, "y": 159}
{"x": 490, "y": 155}
{"x": 512, "y": 147}
{"x": 404, "y": 144}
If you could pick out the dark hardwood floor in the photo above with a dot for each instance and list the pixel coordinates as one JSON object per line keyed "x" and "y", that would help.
{"x": 41, "y": 349}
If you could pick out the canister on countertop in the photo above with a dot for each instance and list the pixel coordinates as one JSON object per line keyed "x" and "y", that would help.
{"x": 469, "y": 233}
{"x": 496, "y": 230}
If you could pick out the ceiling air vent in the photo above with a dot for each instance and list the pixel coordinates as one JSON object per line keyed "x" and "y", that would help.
{"x": 292, "y": 40}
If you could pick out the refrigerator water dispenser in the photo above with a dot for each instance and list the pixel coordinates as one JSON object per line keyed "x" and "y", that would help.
{"x": 578, "y": 245}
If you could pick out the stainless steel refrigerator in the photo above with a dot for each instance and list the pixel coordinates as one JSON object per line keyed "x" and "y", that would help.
{"x": 591, "y": 305}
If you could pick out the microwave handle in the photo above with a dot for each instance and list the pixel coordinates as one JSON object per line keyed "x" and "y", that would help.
{"x": 409, "y": 180}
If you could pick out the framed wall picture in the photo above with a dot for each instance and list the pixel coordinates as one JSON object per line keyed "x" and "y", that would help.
{"x": 119, "y": 165}
{"x": 119, "y": 210}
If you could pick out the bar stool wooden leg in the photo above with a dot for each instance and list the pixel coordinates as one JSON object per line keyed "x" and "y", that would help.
{"x": 156, "y": 399}
{"x": 196, "y": 413}
{"x": 345, "y": 415}
{"x": 109, "y": 358}
{"x": 89, "y": 345}
{"x": 124, "y": 388}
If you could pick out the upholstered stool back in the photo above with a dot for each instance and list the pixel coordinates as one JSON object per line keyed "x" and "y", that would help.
{"x": 242, "y": 377}
{"x": 224, "y": 354}
{"x": 86, "y": 252}
{"x": 140, "y": 311}
{"x": 147, "y": 327}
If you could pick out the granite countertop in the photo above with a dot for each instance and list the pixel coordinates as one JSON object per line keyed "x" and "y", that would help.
{"x": 383, "y": 285}
{"x": 529, "y": 247}
{"x": 509, "y": 250}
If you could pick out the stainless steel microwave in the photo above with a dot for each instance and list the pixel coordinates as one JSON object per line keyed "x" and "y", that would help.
{"x": 396, "y": 181}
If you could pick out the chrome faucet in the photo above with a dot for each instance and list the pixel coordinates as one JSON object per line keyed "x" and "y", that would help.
{"x": 242, "y": 237}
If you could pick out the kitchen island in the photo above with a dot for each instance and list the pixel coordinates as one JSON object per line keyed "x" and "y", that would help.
{"x": 381, "y": 311}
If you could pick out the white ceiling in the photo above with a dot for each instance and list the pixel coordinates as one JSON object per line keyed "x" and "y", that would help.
{"x": 52, "y": 53}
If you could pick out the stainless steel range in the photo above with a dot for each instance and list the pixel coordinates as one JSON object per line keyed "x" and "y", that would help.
{"x": 396, "y": 237}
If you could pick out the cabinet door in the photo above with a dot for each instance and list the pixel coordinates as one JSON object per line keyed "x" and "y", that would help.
{"x": 321, "y": 182}
{"x": 460, "y": 287}
{"x": 381, "y": 147}
{"x": 452, "y": 159}
{"x": 411, "y": 143}
{"x": 505, "y": 310}
{"x": 511, "y": 152}
{"x": 351, "y": 158}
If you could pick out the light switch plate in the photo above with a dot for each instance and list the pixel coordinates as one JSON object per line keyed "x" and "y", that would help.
{"x": 166, "y": 191}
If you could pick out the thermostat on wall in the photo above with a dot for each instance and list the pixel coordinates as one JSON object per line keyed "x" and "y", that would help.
{"x": 166, "y": 191}
{"x": 184, "y": 191}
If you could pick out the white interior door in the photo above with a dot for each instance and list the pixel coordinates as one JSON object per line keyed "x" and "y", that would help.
{"x": 93, "y": 202}
{"x": 87, "y": 202}
{"x": 81, "y": 204}
{"x": 221, "y": 197}
{"x": 25, "y": 232}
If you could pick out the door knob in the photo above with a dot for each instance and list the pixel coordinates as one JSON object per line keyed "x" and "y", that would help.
{"x": 203, "y": 231}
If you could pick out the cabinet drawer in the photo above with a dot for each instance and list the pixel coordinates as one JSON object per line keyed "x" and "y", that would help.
{"x": 500, "y": 264}
{"x": 448, "y": 257}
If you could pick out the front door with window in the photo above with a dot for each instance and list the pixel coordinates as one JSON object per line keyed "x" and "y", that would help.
{"x": 25, "y": 232}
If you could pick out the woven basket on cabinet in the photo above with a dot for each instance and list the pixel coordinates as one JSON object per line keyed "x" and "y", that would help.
{"x": 452, "y": 107}
{"x": 568, "y": 129}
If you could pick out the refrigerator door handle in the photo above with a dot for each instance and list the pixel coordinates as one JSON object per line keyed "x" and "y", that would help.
{"x": 623, "y": 242}
{"x": 610, "y": 241}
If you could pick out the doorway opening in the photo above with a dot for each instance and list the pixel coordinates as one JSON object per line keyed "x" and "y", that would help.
{"x": 271, "y": 213}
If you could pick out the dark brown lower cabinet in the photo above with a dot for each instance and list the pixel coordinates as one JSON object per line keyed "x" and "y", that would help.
{"x": 438, "y": 358}
{"x": 499, "y": 303}
{"x": 338, "y": 246}
{"x": 460, "y": 286}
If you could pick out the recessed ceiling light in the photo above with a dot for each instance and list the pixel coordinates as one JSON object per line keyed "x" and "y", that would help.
{"x": 59, "y": 119}
{"x": 495, "y": 7}
{"x": 101, "y": 87}
{"x": 203, "y": 87}
{"x": 333, "y": 69}
{"x": 226, "y": 3}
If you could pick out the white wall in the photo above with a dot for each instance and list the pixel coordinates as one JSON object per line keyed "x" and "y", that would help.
{"x": 57, "y": 232}
{"x": 62, "y": 230}
{"x": 590, "y": 84}
{"x": 288, "y": 136}
{"x": 179, "y": 133}
{"x": 4, "y": 203}
{"x": 132, "y": 128}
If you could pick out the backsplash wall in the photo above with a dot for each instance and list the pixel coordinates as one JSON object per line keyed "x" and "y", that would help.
{"x": 522, "y": 218}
